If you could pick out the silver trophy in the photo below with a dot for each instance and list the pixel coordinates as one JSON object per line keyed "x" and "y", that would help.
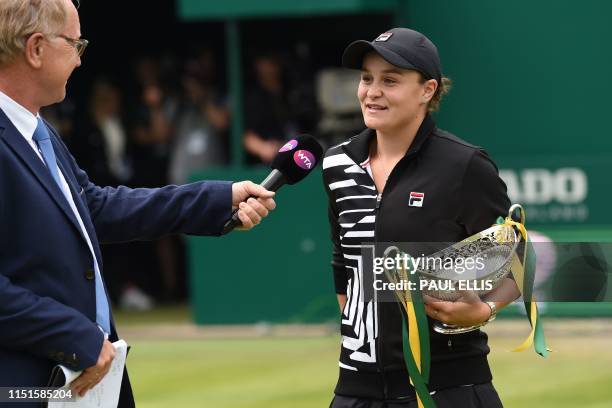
{"x": 491, "y": 252}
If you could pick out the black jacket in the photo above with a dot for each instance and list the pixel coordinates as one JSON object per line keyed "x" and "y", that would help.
{"x": 462, "y": 195}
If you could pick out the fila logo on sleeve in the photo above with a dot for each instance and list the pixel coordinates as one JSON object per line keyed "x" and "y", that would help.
{"x": 416, "y": 199}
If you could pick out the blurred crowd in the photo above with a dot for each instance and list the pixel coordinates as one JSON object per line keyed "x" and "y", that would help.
{"x": 162, "y": 120}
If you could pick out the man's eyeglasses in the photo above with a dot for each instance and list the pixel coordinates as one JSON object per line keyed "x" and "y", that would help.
{"x": 78, "y": 43}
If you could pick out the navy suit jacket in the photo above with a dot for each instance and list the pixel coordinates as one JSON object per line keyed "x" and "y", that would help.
{"x": 47, "y": 287}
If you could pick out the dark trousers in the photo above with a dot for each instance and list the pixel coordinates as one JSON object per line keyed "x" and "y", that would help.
{"x": 472, "y": 396}
{"x": 126, "y": 398}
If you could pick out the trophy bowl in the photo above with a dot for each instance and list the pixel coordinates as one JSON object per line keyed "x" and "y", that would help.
{"x": 491, "y": 251}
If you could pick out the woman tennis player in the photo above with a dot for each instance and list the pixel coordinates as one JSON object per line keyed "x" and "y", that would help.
{"x": 404, "y": 180}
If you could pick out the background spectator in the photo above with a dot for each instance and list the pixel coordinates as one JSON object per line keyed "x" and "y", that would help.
{"x": 202, "y": 123}
{"x": 269, "y": 118}
{"x": 102, "y": 147}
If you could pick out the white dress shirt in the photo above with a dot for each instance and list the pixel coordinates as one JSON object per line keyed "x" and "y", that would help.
{"x": 26, "y": 124}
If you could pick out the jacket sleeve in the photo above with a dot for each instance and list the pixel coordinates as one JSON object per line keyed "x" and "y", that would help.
{"x": 127, "y": 214}
{"x": 338, "y": 268}
{"x": 483, "y": 195}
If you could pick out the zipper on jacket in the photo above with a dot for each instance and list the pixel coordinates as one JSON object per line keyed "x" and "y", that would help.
{"x": 379, "y": 314}
{"x": 379, "y": 341}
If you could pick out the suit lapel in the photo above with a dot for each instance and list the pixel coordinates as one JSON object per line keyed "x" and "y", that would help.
{"x": 73, "y": 185}
{"x": 23, "y": 150}
{"x": 76, "y": 196}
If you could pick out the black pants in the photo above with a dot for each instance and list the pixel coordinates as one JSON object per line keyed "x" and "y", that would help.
{"x": 472, "y": 396}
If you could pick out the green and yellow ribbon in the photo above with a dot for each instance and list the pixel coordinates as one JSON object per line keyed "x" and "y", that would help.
{"x": 523, "y": 272}
{"x": 415, "y": 340}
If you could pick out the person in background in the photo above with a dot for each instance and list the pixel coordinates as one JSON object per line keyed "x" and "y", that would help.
{"x": 200, "y": 142}
{"x": 102, "y": 146}
{"x": 151, "y": 128}
{"x": 269, "y": 118}
{"x": 202, "y": 126}
{"x": 150, "y": 120}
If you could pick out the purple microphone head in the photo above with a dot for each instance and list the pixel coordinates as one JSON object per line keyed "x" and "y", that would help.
{"x": 297, "y": 158}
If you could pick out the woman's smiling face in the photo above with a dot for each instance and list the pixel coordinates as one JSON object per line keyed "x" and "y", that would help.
{"x": 391, "y": 97}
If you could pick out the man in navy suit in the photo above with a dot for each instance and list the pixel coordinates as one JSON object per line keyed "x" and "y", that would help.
{"x": 53, "y": 303}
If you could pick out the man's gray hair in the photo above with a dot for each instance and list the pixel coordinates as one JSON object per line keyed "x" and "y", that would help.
{"x": 21, "y": 18}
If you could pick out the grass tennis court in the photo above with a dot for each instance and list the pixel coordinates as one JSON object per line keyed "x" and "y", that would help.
{"x": 231, "y": 370}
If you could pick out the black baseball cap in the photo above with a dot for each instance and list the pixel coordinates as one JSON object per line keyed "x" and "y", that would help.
{"x": 401, "y": 47}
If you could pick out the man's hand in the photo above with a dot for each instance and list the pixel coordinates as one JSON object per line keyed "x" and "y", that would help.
{"x": 468, "y": 310}
{"x": 253, "y": 210}
{"x": 91, "y": 376}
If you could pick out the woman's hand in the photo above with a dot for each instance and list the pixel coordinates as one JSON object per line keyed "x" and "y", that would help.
{"x": 468, "y": 310}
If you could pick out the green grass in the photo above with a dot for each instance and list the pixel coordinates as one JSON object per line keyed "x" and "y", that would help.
{"x": 261, "y": 372}
{"x": 301, "y": 372}
{"x": 577, "y": 374}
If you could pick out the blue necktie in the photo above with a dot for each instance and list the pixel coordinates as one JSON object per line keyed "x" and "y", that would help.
{"x": 42, "y": 138}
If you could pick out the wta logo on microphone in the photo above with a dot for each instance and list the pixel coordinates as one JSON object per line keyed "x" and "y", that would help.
{"x": 304, "y": 159}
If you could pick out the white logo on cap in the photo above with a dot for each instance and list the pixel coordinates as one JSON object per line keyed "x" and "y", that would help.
{"x": 384, "y": 36}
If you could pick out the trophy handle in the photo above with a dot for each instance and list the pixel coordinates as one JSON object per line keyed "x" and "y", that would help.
{"x": 520, "y": 211}
{"x": 444, "y": 328}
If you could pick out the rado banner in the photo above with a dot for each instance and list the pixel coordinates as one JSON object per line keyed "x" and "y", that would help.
{"x": 568, "y": 192}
